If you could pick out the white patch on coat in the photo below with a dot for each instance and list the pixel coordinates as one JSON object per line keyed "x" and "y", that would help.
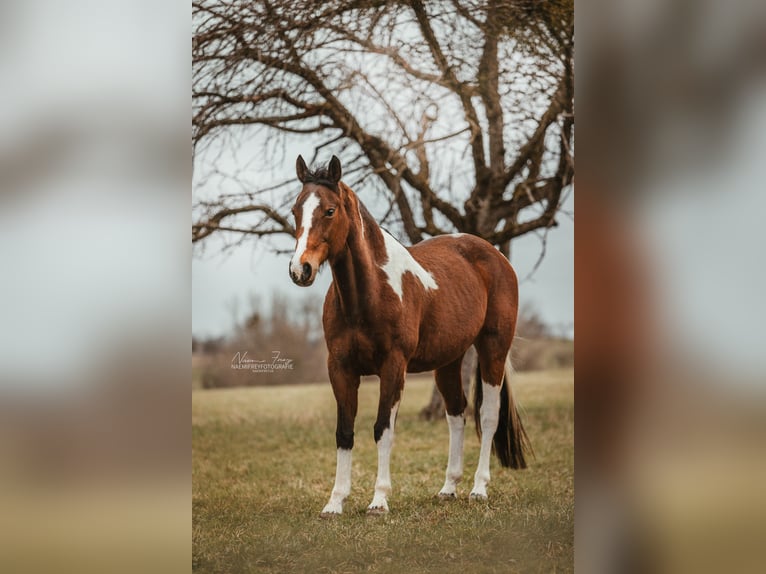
{"x": 383, "y": 481}
{"x": 400, "y": 262}
{"x": 342, "y": 487}
{"x": 489, "y": 415}
{"x": 456, "y": 426}
{"x": 307, "y": 217}
{"x": 452, "y": 235}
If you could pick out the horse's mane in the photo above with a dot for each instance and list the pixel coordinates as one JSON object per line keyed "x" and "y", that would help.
{"x": 320, "y": 176}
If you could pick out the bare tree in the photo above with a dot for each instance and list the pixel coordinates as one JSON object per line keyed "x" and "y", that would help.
{"x": 456, "y": 115}
{"x": 459, "y": 113}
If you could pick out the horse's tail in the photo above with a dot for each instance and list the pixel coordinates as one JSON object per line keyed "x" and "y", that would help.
{"x": 510, "y": 442}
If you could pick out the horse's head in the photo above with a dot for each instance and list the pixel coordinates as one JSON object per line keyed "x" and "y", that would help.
{"x": 321, "y": 220}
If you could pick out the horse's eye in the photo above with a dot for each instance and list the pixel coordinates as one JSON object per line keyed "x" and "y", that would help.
{"x": 329, "y": 212}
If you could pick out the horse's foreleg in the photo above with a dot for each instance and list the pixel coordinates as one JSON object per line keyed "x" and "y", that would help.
{"x": 391, "y": 384}
{"x": 345, "y": 387}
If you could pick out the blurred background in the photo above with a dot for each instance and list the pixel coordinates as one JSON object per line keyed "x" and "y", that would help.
{"x": 94, "y": 286}
{"x": 670, "y": 396}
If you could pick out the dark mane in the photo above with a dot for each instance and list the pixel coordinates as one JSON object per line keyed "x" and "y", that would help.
{"x": 321, "y": 176}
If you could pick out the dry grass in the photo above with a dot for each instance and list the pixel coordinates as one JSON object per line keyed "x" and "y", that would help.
{"x": 264, "y": 462}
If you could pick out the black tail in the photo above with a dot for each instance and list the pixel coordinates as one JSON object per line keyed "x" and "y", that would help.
{"x": 510, "y": 442}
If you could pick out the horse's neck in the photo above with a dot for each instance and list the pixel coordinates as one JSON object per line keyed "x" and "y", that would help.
{"x": 355, "y": 272}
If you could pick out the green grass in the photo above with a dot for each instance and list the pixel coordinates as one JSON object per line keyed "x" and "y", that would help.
{"x": 264, "y": 464}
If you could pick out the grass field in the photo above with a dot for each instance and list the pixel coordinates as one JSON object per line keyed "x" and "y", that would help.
{"x": 264, "y": 464}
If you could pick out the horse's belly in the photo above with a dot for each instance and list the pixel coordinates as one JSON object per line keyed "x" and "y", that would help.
{"x": 448, "y": 328}
{"x": 436, "y": 358}
{"x": 420, "y": 365}
{"x": 440, "y": 347}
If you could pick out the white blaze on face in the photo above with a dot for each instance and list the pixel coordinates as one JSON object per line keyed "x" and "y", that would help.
{"x": 307, "y": 217}
{"x": 400, "y": 262}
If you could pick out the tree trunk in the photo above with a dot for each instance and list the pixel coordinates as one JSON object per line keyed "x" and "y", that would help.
{"x": 435, "y": 408}
{"x": 505, "y": 249}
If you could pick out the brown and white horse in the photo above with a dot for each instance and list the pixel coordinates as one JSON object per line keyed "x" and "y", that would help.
{"x": 392, "y": 310}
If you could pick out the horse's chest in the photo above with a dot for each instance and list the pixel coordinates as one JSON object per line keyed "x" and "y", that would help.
{"x": 356, "y": 347}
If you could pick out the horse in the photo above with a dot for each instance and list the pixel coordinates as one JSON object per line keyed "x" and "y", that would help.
{"x": 391, "y": 310}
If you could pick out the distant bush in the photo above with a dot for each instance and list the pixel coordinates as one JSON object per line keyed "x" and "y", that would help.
{"x": 540, "y": 354}
{"x": 277, "y": 343}
{"x": 536, "y": 347}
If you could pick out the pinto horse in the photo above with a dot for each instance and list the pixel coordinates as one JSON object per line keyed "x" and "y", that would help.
{"x": 392, "y": 310}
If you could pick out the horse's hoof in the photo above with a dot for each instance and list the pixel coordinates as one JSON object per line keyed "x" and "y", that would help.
{"x": 447, "y": 496}
{"x": 329, "y": 515}
{"x": 478, "y": 496}
{"x": 377, "y": 511}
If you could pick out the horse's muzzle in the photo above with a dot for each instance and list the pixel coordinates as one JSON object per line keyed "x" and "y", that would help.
{"x": 305, "y": 278}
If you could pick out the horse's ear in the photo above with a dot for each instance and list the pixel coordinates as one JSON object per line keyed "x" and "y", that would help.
{"x": 334, "y": 169}
{"x": 300, "y": 169}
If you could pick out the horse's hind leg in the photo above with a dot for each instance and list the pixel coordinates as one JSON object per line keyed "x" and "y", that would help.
{"x": 448, "y": 381}
{"x": 492, "y": 350}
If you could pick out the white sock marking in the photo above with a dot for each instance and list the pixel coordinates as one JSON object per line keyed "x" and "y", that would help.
{"x": 342, "y": 487}
{"x": 400, "y": 262}
{"x": 455, "y": 461}
{"x": 307, "y": 218}
{"x": 383, "y": 481}
{"x": 490, "y": 411}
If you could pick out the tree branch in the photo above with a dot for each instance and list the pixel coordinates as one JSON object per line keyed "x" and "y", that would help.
{"x": 477, "y": 146}
{"x": 204, "y": 228}
{"x": 301, "y": 69}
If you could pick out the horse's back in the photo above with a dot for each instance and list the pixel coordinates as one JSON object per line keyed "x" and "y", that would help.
{"x": 449, "y": 255}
